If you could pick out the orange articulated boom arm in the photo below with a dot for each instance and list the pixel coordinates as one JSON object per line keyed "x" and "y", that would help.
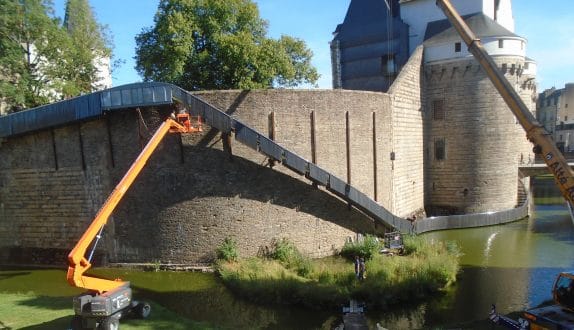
{"x": 77, "y": 262}
{"x": 544, "y": 145}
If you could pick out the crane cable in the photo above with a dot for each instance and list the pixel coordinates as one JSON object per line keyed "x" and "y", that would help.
{"x": 141, "y": 118}
{"x": 140, "y": 123}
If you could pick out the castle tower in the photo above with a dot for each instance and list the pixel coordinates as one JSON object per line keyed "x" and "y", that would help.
{"x": 474, "y": 144}
{"x": 419, "y": 13}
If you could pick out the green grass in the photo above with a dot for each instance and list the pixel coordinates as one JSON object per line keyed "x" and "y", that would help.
{"x": 30, "y": 311}
{"x": 429, "y": 267}
{"x": 42, "y": 299}
{"x": 365, "y": 249}
{"x": 19, "y": 311}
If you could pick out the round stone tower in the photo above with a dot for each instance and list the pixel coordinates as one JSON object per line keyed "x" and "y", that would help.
{"x": 474, "y": 145}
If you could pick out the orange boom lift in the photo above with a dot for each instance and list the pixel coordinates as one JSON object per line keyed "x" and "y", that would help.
{"x": 106, "y": 301}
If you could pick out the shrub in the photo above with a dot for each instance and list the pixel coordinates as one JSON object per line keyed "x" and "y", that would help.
{"x": 290, "y": 278}
{"x": 227, "y": 251}
{"x": 287, "y": 254}
{"x": 366, "y": 248}
{"x": 413, "y": 244}
{"x": 304, "y": 267}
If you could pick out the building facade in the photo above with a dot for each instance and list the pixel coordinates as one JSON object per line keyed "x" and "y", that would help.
{"x": 555, "y": 111}
{"x": 472, "y": 143}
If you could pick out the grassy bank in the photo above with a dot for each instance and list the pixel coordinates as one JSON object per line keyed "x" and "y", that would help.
{"x": 42, "y": 299}
{"x": 286, "y": 277}
{"x": 30, "y": 311}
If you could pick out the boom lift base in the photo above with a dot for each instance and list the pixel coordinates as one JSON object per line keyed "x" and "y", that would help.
{"x": 105, "y": 310}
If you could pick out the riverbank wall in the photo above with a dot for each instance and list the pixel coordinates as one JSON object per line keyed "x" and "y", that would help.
{"x": 521, "y": 211}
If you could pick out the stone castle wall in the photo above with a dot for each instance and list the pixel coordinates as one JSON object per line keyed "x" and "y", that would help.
{"x": 51, "y": 184}
{"x": 408, "y": 138}
{"x": 192, "y": 194}
{"x": 484, "y": 142}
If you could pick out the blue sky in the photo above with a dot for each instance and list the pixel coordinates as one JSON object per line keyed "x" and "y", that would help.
{"x": 548, "y": 26}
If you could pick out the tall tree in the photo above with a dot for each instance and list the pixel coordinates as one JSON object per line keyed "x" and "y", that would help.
{"x": 219, "y": 44}
{"x": 90, "y": 51}
{"x": 30, "y": 41}
{"x": 43, "y": 61}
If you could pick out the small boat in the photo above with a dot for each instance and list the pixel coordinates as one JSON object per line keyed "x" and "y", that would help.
{"x": 505, "y": 321}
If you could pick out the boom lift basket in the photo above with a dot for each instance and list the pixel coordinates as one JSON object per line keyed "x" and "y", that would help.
{"x": 192, "y": 123}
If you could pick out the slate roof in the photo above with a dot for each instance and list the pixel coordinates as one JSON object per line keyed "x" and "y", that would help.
{"x": 367, "y": 20}
{"x": 482, "y": 26}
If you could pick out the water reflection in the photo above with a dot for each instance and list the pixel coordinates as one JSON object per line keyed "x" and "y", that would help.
{"x": 203, "y": 298}
{"x": 512, "y": 266}
{"x": 491, "y": 238}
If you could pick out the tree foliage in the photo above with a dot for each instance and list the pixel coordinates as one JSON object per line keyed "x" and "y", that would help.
{"x": 219, "y": 44}
{"x": 29, "y": 40}
{"x": 90, "y": 43}
{"x": 40, "y": 59}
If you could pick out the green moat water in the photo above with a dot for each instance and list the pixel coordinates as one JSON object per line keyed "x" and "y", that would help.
{"x": 513, "y": 266}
